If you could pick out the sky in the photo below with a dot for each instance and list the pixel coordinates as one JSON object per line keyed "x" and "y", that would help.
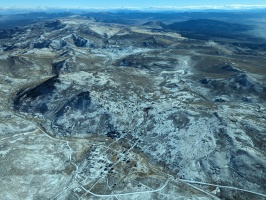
{"x": 124, "y": 3}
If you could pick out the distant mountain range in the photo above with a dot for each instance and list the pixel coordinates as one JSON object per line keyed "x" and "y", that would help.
{"x": 206, "y": 8}
{"x": 205, "y": 28}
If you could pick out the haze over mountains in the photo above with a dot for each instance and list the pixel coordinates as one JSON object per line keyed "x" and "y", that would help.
{"x": 130, "y": 105}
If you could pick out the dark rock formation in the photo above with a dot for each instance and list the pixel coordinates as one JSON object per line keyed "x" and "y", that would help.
{"x": 8, "y": 47}
{"x": 36, "y": 99}
{"x": 79, "y": 41}
{"x": 230, "y": 68}
{"x": 9, "y": 33}
{"x": 80, "y": 102}
{"x": 113, "y": 134}
{"x": 57, "y": 24}
{"x": 58, "y": 66}
{"x": 240, "y": 84}
{"x": 42, "y": 44}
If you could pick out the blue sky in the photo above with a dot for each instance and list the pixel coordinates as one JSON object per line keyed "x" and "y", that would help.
{"x": 125, "y": 3}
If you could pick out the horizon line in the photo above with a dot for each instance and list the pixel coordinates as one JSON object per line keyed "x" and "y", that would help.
{"x": 204, "y": 7}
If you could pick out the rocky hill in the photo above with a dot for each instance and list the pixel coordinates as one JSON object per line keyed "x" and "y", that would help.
{"x": 94, "y": 110}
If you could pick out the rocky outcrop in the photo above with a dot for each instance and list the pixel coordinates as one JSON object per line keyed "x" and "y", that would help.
{"x": 240, "y": 85}
{"x": 59, "y": 66}
{"x": 36, "y": 99}
{"x": 79, "y": 41}
{"x": 57, "y": 24}
{"x": 80, "y": 116}
{"x": 42, "y": 44}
